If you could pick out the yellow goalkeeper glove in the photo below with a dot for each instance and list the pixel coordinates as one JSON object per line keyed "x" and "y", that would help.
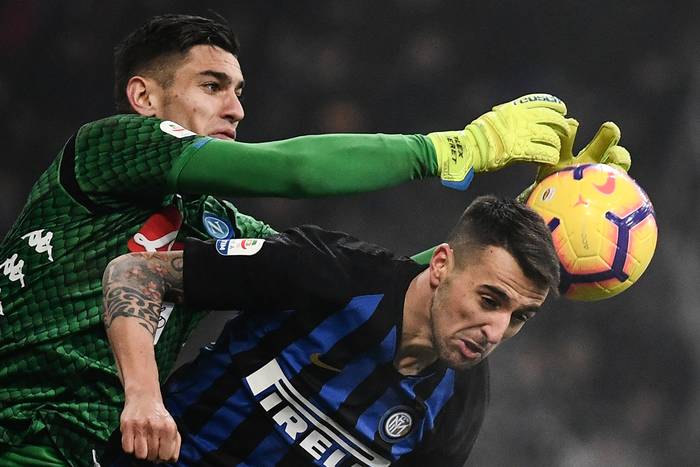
{"x": 602, "y": 149}
{"x": 527, "y": 129}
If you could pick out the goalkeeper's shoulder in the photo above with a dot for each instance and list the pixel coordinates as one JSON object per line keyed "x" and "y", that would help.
{"x": 120, "y": 124}
{"x": 130, "y": 134}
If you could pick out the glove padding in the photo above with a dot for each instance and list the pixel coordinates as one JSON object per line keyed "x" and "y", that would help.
{"x": 527, "y": 129}
{"x": 602, "y": 149}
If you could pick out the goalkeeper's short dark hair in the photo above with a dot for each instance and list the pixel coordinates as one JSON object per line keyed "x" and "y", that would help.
{"x": 150, "y": 49}
{"x": 513, "y": 226}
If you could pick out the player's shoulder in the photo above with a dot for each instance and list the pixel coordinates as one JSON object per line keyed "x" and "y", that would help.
{"x": 366, "y": 262}
{"x": 119, "y": 122}
{"x": 131, "y": 132}
{"x": 334, "y": 239}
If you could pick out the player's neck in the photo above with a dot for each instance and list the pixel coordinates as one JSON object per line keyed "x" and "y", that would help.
{"x": 416, "y": 348}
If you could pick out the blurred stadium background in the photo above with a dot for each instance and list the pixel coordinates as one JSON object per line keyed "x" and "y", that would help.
{"x": 614, "y": 383}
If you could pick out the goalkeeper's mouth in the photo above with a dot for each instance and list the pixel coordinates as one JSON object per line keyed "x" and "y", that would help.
{"x": 229, "y": 134}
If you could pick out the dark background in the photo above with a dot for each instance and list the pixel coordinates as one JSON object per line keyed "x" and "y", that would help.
{"x": 612, "y": 383}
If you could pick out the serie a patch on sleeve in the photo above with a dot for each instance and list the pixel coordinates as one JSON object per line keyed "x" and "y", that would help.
{"x": 239, "y": 246}
{"x": 174, "y": 129}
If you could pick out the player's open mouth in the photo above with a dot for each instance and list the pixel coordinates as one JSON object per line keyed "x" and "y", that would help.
{"x": 470, "y": 350}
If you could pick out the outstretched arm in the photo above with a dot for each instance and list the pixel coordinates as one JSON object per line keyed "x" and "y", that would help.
{"x": 527, "y": 129}
{"x": 134, "y": 287}
{"x": 109, "y": 160}
{"x": 306, "y": 166}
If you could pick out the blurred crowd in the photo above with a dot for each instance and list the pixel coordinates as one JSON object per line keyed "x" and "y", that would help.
{"x": 613, "y": 383}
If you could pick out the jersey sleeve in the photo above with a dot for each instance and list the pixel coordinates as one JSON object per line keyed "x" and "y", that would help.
{"x": 292, "y": 269}
{"x": 308, "y": 166}
{"x": 132, "y": 158}
{"x": 126, "y": 157}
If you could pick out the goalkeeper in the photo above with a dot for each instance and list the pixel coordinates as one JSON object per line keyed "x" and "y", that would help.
{"x": 145, "y": 179}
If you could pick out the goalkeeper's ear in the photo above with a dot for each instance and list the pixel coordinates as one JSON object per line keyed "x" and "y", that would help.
{"x": 144, "y": 95}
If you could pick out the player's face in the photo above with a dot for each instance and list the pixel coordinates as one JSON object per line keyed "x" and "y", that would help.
{"x": 204, "y": 96}
{"x": 476, "y": 308}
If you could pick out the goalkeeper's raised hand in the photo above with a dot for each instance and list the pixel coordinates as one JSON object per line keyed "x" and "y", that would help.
{"x": 527, "y": 129}
{"x": 602, "y": 149}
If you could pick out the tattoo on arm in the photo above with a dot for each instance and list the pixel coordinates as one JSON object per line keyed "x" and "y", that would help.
{"x": 135, "y": 285}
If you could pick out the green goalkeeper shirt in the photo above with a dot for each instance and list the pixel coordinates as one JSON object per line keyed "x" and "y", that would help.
{"x": 130, "y": 183}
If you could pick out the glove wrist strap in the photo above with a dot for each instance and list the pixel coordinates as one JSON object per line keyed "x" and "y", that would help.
{"x": 454, "y": 154}
{"x": 482, "y": 147}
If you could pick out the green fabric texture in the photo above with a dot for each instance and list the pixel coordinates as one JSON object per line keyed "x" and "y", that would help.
{"x": 308, "y": 166}
{"x": 31, "y": 456}
{"x": 37, "y": 451}
{"x": 127, "y": 159}
{"x": 57, "y": 371}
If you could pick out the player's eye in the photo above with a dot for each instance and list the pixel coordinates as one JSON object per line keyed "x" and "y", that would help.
{"x": 489, "y": 302}
{"x": 522, "y": 317}
{"x": 212, "y": 86}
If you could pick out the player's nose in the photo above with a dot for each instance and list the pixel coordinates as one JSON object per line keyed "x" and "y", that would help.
{"x": 496, "y": 327}
{"x": 233, "y": 108}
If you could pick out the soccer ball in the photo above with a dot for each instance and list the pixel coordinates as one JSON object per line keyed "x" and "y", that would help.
{"x": 603, "y": 227}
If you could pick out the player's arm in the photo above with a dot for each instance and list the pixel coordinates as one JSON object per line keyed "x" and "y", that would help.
{"x": 134, "y": 287}
{"x": 239, "y": 277}
{"x": 111, "y": 160}
{"x": 527, "y": 129}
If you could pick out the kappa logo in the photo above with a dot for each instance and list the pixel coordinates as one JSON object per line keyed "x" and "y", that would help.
{"x": 158, "y": 233}
{"x": 40, "y": 242}
{"x": 217, "y": 227}
{"x": 12, "y": 268}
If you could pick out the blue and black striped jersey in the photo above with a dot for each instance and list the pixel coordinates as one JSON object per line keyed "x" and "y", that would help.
{"x": 305, "y": 375}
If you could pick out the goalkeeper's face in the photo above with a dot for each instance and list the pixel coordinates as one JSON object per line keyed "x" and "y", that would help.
{"x": 476, "y": 307}
{"x": 204, "y": 94}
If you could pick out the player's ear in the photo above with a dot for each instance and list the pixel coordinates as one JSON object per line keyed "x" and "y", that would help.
{"x": 144, "y": 95}
{"x": 440, "y": 263}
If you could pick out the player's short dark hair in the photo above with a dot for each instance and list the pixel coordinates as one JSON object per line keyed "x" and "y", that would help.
{"x": 152, "y": 48}
{"x": 513, "y": 226}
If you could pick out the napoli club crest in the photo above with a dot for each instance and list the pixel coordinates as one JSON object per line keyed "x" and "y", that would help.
{"x": 217, "y": 227}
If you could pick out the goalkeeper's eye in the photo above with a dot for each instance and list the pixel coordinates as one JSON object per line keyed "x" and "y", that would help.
{"x": 212, "y": 86}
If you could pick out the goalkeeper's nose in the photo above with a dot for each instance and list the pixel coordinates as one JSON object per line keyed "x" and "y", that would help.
{"x": 232, "y": 108}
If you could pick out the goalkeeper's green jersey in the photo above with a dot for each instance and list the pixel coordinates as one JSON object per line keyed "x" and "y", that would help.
{"x": 106, "y": 194}
{"x": 114, "y": 189}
